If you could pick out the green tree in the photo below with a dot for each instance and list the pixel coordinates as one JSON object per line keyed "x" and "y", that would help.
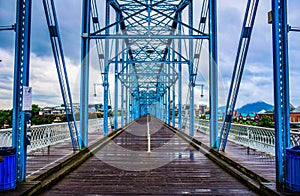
{"x": 5, "y": 118}
{"x": 35, "y": 109}
{"x": 266, "y": 121}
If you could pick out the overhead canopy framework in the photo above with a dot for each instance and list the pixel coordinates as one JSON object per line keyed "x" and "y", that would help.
{"x": 145, "y": 44}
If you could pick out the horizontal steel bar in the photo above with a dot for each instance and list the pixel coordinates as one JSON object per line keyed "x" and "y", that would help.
{"x": 7, "y": 28}
{"x": 149, "y": 62}
{"x": 148, "y": 37}
{"x": 147, "y": 74}
{"x": 296, "y": 29}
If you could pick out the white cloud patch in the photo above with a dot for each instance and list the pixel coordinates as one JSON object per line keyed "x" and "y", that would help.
{"x": 257, "y": 82}
{"x": 43, "y": 79}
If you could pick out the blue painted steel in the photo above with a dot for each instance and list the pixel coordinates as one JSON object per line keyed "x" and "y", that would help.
{"x": 122, "y": 89}
{"x": 199, "y": 42}
{"x": 213, "y": 73}
{"x": 21, "y": 79}
{"x": 106, "y": 72}
{"x": 58, "y": 54}
{"x": 127, "y": 95}
{"x": 84, "y": 79}
{"x": 116, "y": 94}
{"x": 239, "y": 65}
{"x": 191, "y": 71}
{"x": 173, "y": 90}
{"x": 295, "y": 29}
{"x": 281, "y": 88}
{"x": 151, "y": 74}
{"x": 109, "y": 36}
{"x": 180, "y": 76}
{"x": 8, "y": 28}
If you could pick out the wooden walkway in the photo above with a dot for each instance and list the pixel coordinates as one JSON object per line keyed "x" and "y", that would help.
{"x": 124, "y": 167}
{"x": 39, "y": 161}
{"x": 260, "y": 163}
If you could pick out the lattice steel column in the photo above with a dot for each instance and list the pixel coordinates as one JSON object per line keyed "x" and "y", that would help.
{"x": 281, "y": 88}
{"x": 21, "y": 79}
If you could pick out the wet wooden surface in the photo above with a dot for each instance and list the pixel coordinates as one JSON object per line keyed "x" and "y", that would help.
{"x": 41, "y": 160}
{"x": 260, "y": 163}
{"x": 124, "y": 167}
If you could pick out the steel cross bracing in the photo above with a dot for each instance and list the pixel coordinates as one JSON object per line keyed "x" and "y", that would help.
{"x": 58, "y": 54}
{"x": 238, "y": 69}
{"x": 146, "y": 37}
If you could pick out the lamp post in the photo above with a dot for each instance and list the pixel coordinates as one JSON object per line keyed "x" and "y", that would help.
{"x": 95, "y": 90}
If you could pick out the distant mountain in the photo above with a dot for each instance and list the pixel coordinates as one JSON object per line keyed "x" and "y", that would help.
{"x": 255, "y": 107}
{"x": 222, "y": 109}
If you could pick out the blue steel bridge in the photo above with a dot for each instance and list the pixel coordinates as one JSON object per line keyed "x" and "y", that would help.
{"x": 148, "y": 148}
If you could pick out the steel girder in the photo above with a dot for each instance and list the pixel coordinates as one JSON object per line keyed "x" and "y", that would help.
{"x": 213, "y": 73}
{"x": 57, "y": 49}
{"x": 281, "y": 88}
{"x": 148, "y": 57}
{"x": 21, "y": 80}
{"x": 84, "y": 78}
{"x": 239, "y": 65}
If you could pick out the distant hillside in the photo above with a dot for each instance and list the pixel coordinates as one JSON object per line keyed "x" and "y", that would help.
{"x": 255, "y": 107}
{"x": 222, "y": 109}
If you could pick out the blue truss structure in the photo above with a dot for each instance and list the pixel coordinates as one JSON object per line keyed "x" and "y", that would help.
{"x": 147, "y": 39}
{"x": 238, "y": 69}
{"x": 57, "y": 49}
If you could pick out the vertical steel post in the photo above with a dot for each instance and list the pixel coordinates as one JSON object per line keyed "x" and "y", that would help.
{"x": 179, "y": 76}
{"x": 84, "y": 81}
{"x": 169, "y": 93}
{"x": 21, "y": 79}
{"x": 173, "y": 90}
{"x": 213, "y": 73}
{"x": 281, "y": 88}
{"x": 191, "y": 71}
{"x": 122, "y": 87}
{"x": 106, "y": 72}
{"x": 116, "y": 78}
{"x": 127, "y": 92}
{"x": 162, "y": 108}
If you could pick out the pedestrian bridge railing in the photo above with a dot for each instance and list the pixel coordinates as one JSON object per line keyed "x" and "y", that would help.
{"x": 259, "y": 138}
{"x": 49, "y": 134}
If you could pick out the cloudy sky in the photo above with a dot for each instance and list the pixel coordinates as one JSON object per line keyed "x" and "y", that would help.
{"x": 257, "y": 82}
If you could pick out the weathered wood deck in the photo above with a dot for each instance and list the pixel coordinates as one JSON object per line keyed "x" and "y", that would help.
{"x": 260, "y": 163}
{"x": 123, "y": 167}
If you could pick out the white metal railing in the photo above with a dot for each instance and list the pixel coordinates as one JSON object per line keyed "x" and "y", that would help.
{"x": 47, "y": 135}
{"x": 259, "y": 138}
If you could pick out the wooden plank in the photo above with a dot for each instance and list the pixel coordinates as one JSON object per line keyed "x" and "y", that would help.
{"x": 182, "y": 169}
{"x": 258, "y": 162}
